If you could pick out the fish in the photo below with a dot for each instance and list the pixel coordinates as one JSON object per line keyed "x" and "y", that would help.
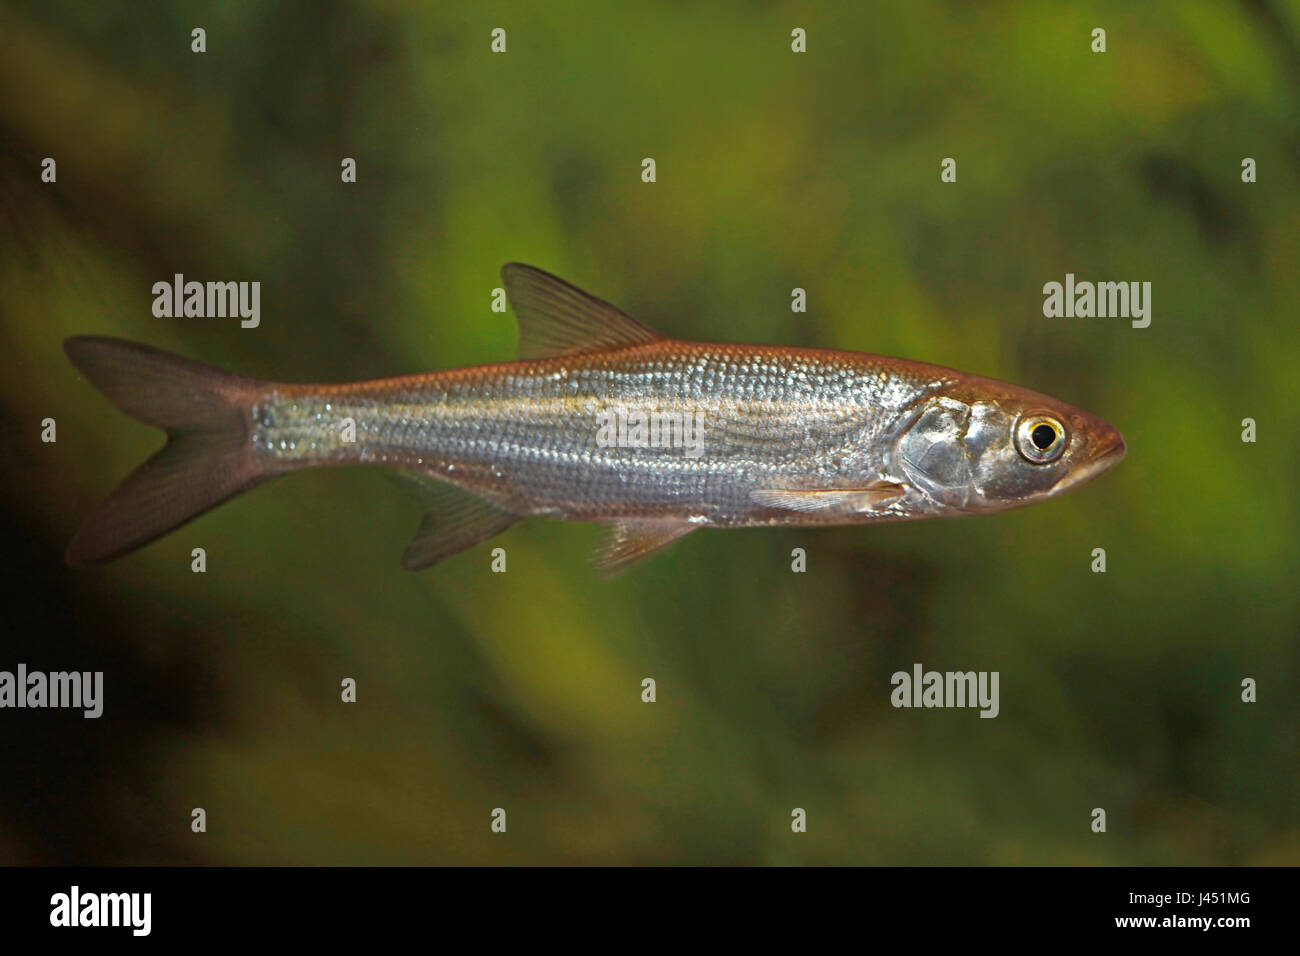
{"x": 600, "y": 419}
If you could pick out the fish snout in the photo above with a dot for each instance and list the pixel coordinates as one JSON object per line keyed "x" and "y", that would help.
{"x": 1103, "y": 450}
{"x": 1109, "y": 447}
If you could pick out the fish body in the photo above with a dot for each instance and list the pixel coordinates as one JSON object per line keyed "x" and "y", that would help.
{"x": 605, "y": 420}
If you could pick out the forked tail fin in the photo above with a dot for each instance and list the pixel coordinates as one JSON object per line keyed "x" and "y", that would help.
{"x": 208, "y": 457}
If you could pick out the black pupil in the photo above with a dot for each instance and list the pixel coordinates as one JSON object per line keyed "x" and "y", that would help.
{"x": 1043, "y": 437}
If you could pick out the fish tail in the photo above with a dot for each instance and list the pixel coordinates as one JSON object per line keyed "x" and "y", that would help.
{"x": 208, "y": 457}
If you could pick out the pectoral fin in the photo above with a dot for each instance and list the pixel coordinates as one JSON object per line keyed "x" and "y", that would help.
{"x": 632, "y": 541}
{"x": 845, "y": 500}
{"x": 454, "y": 520}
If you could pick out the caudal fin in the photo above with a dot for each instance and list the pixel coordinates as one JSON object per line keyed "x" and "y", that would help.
{"x": 208, "y": 456}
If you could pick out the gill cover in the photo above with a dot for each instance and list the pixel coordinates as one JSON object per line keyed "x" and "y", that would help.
{"x": 932, "y": 452}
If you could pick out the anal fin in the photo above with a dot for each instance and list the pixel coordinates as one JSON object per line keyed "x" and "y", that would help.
{"x": 630, "y": 542}
{"x": 454, "y": 520}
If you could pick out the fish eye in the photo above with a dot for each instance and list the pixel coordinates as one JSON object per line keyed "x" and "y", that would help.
{"x": 1040, "y": 439}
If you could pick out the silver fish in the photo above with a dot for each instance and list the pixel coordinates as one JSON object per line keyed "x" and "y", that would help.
{"x": 602, "y": 419}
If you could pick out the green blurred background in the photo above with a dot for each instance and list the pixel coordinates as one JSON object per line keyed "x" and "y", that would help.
{"x": 775, "y": 170}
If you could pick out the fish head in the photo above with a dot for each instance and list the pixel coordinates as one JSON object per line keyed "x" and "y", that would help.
{"x": 976, "y": 445}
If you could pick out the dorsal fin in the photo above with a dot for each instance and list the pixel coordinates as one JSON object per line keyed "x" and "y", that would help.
{"x": 556, "y": 318}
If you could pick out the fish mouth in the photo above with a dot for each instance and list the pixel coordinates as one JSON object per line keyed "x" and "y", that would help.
{"x": 1108, "y": 454}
